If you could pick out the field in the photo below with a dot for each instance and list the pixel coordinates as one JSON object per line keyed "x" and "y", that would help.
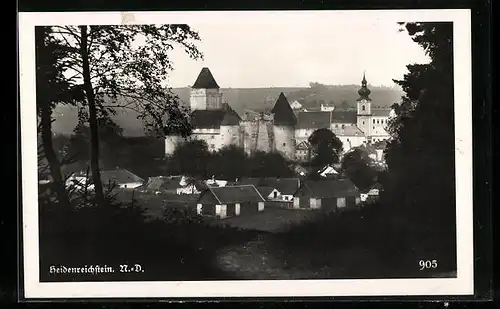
{"x": 272, "y": 219}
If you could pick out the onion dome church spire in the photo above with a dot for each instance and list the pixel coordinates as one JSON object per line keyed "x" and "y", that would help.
{"x": 364, "y": 92}
{"x": 283, "y": 113}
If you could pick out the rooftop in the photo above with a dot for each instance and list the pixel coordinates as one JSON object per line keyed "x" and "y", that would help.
{"x": 314, "y": 120}
{"x": 347, "y": 131}
{"x": 330, "y": 188}
{"x": 205, "y": 80}
{"x": 344, "y": 117}
{"x": 236, "y": 194}
{"x": 213, "y": 119}
{"x": 283, "y": 113}
{"x": 283, "y": 185}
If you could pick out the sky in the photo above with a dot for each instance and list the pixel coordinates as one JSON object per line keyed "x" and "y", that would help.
{"x": 291, "y": 54}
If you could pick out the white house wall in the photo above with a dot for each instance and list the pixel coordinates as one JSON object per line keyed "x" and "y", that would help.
{"x": 261, "y": 206}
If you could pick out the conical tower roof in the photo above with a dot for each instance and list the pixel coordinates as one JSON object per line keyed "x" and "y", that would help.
{"x": 205, "y": 80}
{"x": 283, "y": 113}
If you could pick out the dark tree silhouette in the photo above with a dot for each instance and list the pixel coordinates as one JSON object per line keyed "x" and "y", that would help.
{"x": 355, "y": 165}
{"x": 326, "y": 147}
{"x": 262, "y": 164}
{"x": 108, "y": 66}
{"x": 52, "y": 89}
{"x": 190, "y": 159}
{"x": 228, "y": 163}
{"x": 421, "y": 173}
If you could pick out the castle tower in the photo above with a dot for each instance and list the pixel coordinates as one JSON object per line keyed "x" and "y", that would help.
{"x": 205, "y": 93}
{"x": 364, "y": 108}
{"x": 284, "y": 127}
{"x": 230, "y": 127}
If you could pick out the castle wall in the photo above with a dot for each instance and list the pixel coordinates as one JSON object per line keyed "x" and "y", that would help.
{"x": 284, "y": 141}
{"x": 257, "y": 135}
{"x": 211, "y": 137}
{"x": 230, "y": 135}
{"x": 171, "y": 143}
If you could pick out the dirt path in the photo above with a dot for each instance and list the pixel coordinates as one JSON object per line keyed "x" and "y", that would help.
{"x": 254, "y": 261}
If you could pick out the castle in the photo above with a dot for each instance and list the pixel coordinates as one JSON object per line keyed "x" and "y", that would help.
{"x": 282, "y": 130}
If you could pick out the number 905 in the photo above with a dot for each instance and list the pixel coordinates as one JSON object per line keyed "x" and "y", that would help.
{"x": 426, "y": 264}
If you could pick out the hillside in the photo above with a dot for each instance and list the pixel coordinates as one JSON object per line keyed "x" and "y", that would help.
{"x": 240, "y": 99}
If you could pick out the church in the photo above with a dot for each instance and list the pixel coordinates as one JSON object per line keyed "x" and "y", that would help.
{"x": 282, "y": 130}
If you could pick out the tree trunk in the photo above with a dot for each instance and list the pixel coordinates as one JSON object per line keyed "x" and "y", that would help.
{"x": 45, "y": 113}
{"x": 94, "y": 137}
{"x": 50, "y": 155}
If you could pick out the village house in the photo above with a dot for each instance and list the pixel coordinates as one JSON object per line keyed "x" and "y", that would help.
{"x": 303, "y": 152}
{"x": 273, "y": 188}
{"x": 121, "y": 178}
{"x": 328, "y": 172}
{"x": 327, "y": 107}
{"x": 371, "y": 194}
{"x": 230, "y": 201}
{"x": 329, "y": 195}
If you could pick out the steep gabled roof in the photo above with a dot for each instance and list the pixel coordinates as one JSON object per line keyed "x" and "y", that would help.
{"x": 231, "y": 118}
{"x": 283, "y": 113}
{"x": 314, "y": 120}
{"x": 305, "y": 145}
{"x": 205, "y": 80}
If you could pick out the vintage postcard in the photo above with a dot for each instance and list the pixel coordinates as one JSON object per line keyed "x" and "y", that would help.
{"x": 246, "y": 154}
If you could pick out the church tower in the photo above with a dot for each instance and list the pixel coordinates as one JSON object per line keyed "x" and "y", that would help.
{"x": 205, "y": 93}
{"x": 284, "y": 127}
{"x": 364, "y": 108}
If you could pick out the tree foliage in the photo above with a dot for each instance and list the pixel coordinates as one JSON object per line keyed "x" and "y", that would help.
{"x": 131, "y": 62}
{"x": 268, "y": 164}
{"x": 355, "y": 165}
{"x": 191, "y": 159}
{"x": 326, "y": 147}
{"x": 52, "y": 89}
{"x": 228, "y": 163}
{"x": 420, "y": 156}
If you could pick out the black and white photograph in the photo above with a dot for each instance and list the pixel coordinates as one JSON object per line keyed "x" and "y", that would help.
{"x": 246, "y": 153}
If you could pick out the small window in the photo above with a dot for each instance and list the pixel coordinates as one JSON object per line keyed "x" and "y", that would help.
{"x": 363, "y": 122}
{"x": 373, "y": 121}
{"x": 363, "y": 107}
{"x": 124, "y": 186}
{"x": 284, "y": 144}
{"x": 343, "y": 126}
{"x": 373, "y": 128}
{"x": 347, "y": 139}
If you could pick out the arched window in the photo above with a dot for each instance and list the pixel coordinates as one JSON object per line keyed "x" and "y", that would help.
{"x": 373, "y": 121}
{"x": 343, "y": 126}
{"x": 363, "y": 122}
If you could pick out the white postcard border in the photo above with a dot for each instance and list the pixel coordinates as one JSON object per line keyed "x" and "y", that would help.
{"x": 462, "y": 285}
